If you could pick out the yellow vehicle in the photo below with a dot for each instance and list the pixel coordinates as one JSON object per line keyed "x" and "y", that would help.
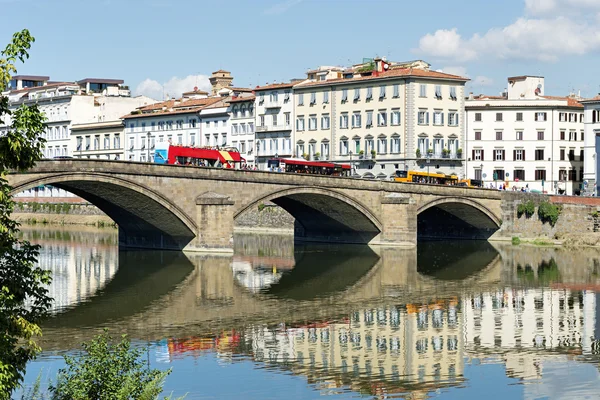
{"x": 424, "y": 177}
{"x": 470, "y": 183}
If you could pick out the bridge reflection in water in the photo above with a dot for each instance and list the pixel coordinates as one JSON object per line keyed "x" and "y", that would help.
{"x": 373, "y": 321}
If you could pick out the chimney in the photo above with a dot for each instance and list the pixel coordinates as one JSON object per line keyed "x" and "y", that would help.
{"x": 471, "y": 97}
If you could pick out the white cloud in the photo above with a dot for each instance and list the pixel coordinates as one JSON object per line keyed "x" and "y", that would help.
{"x": 456, "y": 70}
{"x": 281, "y": 7}
{"x": 543, "y": 39}
{"x": 174, "y": 87}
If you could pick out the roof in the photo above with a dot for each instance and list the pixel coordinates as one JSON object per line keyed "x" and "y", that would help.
{"x": 221, "y": 71}
{"x": 242, "y": 99}
{"x": 101, "y": 80}
{"x": 48, "y": 86}
{"x": 276, "y": 86}
{"x": 195, "y": 92}
{"x": 98, "y": 125}
{"x": 521, "y": 77}
{"x": 392, "y": 73}
{"x": 240, "y": 89}
{"x": 170, "y": 108}
{"x": 571, "y": 102}
{"x": 592, "y": 100}
{"x": 31, "y": 77}
{"x": 162, "y": 113}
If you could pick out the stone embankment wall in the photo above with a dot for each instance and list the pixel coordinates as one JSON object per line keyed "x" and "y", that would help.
{"x": 578, "y": 222}
{"x": 267, "y": 217}
{"x": 59, "y": 213}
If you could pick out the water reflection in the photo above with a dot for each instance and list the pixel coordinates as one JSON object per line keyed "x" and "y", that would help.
{"x": 398, "y": 322}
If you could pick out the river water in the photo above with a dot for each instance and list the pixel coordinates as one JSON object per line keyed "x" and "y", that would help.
{"x": 282, "y": 320}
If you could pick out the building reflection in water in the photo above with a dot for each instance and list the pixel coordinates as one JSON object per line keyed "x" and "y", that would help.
{"x": 82, "y": 261}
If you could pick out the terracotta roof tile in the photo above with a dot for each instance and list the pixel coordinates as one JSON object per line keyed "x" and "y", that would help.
{"x": 242, "y": 99}
{"x": 571, "y": 102}
{"x": 241, "y": 89}
{"x": 162, "y": 113}
{"x": 395, "y": 72}
{"x": 276, "y": 86}
{"x": 593, "y": 99}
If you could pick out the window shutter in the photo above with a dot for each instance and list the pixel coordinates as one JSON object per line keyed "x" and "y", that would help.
{"x": 427, "y": 145}
{"x": 514, "y": 155}
{"x": 473, "y": 155}
{"x": 503, "y": 155}
{"x": 427, "y": 117}
{"x": 523, "y": 155}
{"x": 482, "y": 157}
{"x": 442, "y": 116}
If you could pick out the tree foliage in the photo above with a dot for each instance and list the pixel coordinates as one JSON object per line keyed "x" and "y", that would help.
{"x": 108, "y": 371}
{"x": 548, "y": 212}
{"x": 527, "y": 208}
{"x": 24, "y": 296}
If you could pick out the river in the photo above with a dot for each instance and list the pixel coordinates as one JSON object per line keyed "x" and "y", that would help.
{"x": 281, "y": 320}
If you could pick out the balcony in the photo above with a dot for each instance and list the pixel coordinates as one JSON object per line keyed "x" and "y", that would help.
{"x": 440, "y": 156}
{"x": 274, "y": 128}
{"x": 273, "y": 104}
{"x": 272, "y": 153}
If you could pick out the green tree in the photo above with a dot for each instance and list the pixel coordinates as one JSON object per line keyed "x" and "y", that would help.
{"x": 24, "y": 296}
{"x": 108, "y": 371}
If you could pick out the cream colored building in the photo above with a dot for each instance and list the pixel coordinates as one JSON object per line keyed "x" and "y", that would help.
{"x": 382, "y": 117}
{"x": 525, "y": 138}
{"x": 100, "y": 140}
{"x": 592, "y": 143}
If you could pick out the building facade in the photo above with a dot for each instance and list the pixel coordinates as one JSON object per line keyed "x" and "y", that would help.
{"x": 101, "y": 140}
{"x": 242, "y": 128}
{"x": 591, "y": 144}
{"x": 274, "y": 107}
{"x": 382, "y": 117}
{"x": 66, "y": 104}
{"x": 524, "y": 139}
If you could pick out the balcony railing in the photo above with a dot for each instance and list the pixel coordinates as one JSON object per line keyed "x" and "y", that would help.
{"x": 273, "y": 128}
{"x": 440, "y": 156}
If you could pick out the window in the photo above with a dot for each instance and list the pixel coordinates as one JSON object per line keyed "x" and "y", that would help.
{"x": 539, "y": 154}
{"x": 562, "y": 155}
{"x": 540, "y": 116}
{"x": 192, "y": 123}
{"x": 562, "y": 135}
{"x": 571, "y": 155}
{"x": 356, "y": 94}
{"x": 572, "y": 175}
{"x": 438, "y": 92}
{"x": 356, "y": 146}
{"x": 572, "y": 136}
{"x": 519, "y": 135}
{"x": 180, "y": 139}
{"x": 477, "y": 117}
{"x": 369, "y": 123}
{"x": 131, "y": 143}
{"x": 396, "y": 91}
{"x": 234, "y": 129}
{"x": 478, "y": 154}
{"x": 287, "y": 118}
{"x": 395, "y": 117}
{"x": 423, "y": 117}
{"x": 312, "y": 122}
{"x": 96, "y": 142}
{"x": 498, "y": 135}
{"x": 519, "y": 174}
{"x": 422, "y": 90}
{"x": 79, "y": 143}
{"x": 562, "y": 117}
{"x": 369, "y": 93}
{"x": 242, "y": 129}
{"x": 286, "y": 96}
{"x": 519, "y": 155}
{"x": 313, "y": 98}
{"x": 274, "y": 119}
{"x": 381, "y": 92}
{"x": 395, "y": 143}
{"x": 344, "y": 121}
{"x": 324, "y": 151}
{"x": 453, "y": 92}
{"x": 477, "y": 135}
{"x": 300, "y": 123}
{"x": 382, "y": 145}
{"x": 344, "y": 147}
{"x": 273, "y": 97}
{"x": 356, "y": 119}
{"x": 478, "y": 174}
{"x": 344, "y": 95}
{"x": 498, "y": 117}
{"x": 438, "y": 117}
{"x": 499, "y": 155}
{"x": 325, "y": 121}
{"x": 382, "y": 118}
{"x": 519, "y": 116}
{"x": 540, "y": 174}
{"x": 498, "y": 174}
{"x": 581, "y": 136}
{"x": 326, "y": 97}
{"x": 562, "y": 175}
{"x": 117, "y": 141}
{"x": 300, "y": 99}
{"x": 453, "y": 118}
{"x": 261, "y": 120}
{"x": 540, "y": 135}
{"x": 595, "y": 116}
{"x": 106, "y": 142}
{"x": 192, "y": 139}
{"x": 572, "y": 117}
{"x": 261, "y": 98}
{"x": 179, "y": 124}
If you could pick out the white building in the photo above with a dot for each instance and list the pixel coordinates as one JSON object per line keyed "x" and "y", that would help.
{"x": 382, "y": 116}
{"x": 274, "y": 107}
{"x": 525, "y": 138}
{"x": 592, "y": 144}
{"x": 242, "y": 132}
{"x": 100, "y": 140}
{"x": 71, "y": 103}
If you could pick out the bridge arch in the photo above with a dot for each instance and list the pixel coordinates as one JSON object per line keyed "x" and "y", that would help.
{"x": 456, "y": 217}
{"x": 145, "y": 218}
{"x": 324, "y": 215}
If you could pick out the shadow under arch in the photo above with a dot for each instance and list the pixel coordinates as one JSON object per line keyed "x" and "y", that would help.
{"x": 324, "y": 215}
{"x": 145, "y": 218}
{"x": 456, "y": 218}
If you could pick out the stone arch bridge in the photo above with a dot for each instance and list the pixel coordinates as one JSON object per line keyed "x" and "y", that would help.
{"x": 178, "y": 207}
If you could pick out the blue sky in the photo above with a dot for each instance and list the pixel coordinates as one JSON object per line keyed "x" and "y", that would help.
{"x": 178, "y": 43}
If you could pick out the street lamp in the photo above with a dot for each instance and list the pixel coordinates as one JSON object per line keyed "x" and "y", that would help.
{"x": 428, "y": 161}
{"x": 481, "y": 169}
